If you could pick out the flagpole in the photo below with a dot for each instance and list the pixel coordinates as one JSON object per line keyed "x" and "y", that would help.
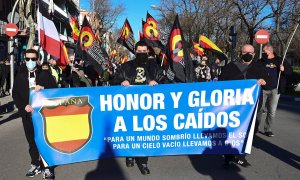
{"x": 11, "y": 49}
{"x": 162, "y": 61}
{"x": 284, "y": 55}
{"x": 38, "y": 22}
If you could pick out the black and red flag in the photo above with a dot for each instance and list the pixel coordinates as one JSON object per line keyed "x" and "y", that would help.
{"x": 141, "y": 35}
{"x": 150, "y": 32}
{"x": 88, "y": 47}
{"x": 126, "y": 37}
{"x": 150, "y": 29}
{"x": 150, "y": 20}
{"x": 179, "y": 57}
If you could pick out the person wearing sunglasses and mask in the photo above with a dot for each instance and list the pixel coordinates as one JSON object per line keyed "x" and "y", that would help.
{"x": 246, "y": 68}
{"x": 139, "y": 71}
{"x": 31, "y": 77}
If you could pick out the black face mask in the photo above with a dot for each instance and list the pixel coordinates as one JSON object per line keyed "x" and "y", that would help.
{"x": 141, "y": 58}
{"x": 264, "y": 56}
{"x": 45, "y": 73}
{"x": 247, "y": 57}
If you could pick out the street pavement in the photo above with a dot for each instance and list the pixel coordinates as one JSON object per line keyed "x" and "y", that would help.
{"x": 271, "y": 158}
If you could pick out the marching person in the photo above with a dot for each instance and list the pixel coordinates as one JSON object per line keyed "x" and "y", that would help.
{"x": 56, "y": 71}
{"x": 2, "y": 78}
{"x": 270, "y": 93}
{"x": 108, "y": 73}
{"x": 246, "y": 68}
{"x": 215, "y": 69}
{"x": 202, "y": 70}
{"x": 30, "y": 77}
{"x": 139, "y": 71}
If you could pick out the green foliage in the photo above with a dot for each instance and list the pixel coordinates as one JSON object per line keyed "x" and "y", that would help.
{"x": 293, "y": 81}
{"x": 296, "y": 69}
{"x": 294, "y": 94}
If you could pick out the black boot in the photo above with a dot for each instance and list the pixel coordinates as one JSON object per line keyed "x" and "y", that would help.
{"x": 129, "y": 162}
{"x": 228, "y": 159}
{"x": 143, "y": 168}
{"x": 241, "y": 160}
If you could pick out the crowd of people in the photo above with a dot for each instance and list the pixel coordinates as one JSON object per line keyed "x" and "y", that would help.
{"x": 144, "y": 70}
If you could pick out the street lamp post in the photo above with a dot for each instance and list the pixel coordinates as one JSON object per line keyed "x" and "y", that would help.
{"x": 10, "y": 49}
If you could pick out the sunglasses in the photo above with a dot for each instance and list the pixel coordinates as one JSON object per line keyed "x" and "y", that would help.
{"x": 32, "y": 59}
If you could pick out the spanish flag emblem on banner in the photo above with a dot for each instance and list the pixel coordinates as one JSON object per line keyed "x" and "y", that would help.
{"x": 67, "y": 124}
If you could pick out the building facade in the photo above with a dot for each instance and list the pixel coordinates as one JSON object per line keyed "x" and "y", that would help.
{"x": 60, "y": 11}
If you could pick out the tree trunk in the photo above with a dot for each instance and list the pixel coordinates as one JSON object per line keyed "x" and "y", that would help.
{"x": 22, "y": 15}
{"x": 251, "y": 35}
{"x": 31, "y": 25}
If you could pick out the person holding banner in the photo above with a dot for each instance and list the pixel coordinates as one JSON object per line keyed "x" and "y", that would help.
{"x": 29, "y": 77}
{"x": 139, "y": 71}
{"x": 246, "y": 68}
{"x": 271, "y": 94}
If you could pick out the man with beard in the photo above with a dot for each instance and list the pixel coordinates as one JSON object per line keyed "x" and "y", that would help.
{"x": 246, "y": 68}
{"x": 139, "y": 71}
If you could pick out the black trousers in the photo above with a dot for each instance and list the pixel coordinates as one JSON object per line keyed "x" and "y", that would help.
{"x": 141, "y": 160}
{"x": 29, "y": 133}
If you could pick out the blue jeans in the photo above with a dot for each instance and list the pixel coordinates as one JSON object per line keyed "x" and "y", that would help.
{"x": 270, "y": 101}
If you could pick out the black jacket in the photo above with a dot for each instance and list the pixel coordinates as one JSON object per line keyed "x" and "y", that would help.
{"x": 127, "y": 71}
{"x": 288, "y": 70}
{"x": 255, "y": 70}
{"x": 20, "y": 92}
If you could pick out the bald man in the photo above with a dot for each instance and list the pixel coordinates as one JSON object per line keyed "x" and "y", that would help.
{"x": 245, "y": 68}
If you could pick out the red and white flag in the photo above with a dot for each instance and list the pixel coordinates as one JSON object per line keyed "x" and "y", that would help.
{"x": 49, "y": 37}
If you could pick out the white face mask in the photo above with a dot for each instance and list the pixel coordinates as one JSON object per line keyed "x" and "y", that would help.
{"x": 30, "y": 65}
